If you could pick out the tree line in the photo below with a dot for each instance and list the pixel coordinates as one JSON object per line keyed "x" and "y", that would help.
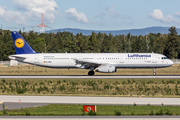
{"x": 61, "y": 42}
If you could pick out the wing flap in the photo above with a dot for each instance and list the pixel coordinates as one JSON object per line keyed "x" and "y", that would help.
{"x": 80, "y": 61}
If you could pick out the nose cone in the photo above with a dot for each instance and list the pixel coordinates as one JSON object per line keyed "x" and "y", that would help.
{"x": 170, "y": 62}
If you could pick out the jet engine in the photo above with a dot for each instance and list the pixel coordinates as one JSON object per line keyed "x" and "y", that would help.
{"x": 106, "y": 69}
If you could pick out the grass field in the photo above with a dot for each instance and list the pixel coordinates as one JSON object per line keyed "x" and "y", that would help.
{"x": 35, "y": 70}
{"x": 92, "y": 87}
{"x": 77, "y": 110}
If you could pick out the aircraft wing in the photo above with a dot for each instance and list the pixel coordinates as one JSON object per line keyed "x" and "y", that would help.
{"x": 86, "y": 64}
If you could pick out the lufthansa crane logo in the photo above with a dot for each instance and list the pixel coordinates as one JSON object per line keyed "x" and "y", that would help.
{"x": 19, "y": 43}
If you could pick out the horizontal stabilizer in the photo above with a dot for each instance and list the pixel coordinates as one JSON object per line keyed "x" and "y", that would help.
{"x": 14, "y": 57}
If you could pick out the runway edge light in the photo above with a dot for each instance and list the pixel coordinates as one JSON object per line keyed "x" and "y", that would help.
{"x": 88, "y": 108}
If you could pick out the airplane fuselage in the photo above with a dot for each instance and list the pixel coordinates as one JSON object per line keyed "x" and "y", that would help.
{"x": 119, "y": 60}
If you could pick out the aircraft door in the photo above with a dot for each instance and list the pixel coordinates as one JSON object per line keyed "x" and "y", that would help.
{"x": 154, "y": 59}
{"x": 121, "y": 60}
{"x": 36, "y": 59}
{"x": 80, "y": 57}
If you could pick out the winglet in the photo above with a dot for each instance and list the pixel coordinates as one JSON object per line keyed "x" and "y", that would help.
{"x": 21, "y": 46}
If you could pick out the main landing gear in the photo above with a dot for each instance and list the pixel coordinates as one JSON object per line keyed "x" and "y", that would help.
{"x": 154, "y": 73}
{"x": 91, "y": 72}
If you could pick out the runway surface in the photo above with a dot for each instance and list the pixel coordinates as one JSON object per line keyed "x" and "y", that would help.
{"x": 89, "y": 77}
{"x": 90, "y": 117}
{"x": 12, "y": 102}
{"x": 90, "y": 100}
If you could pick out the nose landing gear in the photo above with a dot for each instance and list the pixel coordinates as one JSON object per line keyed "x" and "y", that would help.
{"x": 91, "y": 72}
{"x": 154, "y": 73}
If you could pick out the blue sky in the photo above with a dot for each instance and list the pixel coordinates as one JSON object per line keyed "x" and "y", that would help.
{"x": 89, "y": 14}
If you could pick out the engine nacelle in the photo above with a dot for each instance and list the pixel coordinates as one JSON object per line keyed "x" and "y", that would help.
{"x": 106, "y": 69}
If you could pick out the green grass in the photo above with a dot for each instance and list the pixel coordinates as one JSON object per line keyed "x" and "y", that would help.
{"x": 77, "y": 110}
{"x": 92, "y": 87}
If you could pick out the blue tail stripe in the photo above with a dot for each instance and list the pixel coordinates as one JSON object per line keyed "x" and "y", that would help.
{"x": 21, "y": 46}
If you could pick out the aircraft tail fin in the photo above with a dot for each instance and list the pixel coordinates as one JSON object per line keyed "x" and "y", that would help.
{"x": 21, "y": 46}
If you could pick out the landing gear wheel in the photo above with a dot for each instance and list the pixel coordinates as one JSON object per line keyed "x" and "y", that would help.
{"x": 91, "y": 73}
{"x": 154, "y": 73}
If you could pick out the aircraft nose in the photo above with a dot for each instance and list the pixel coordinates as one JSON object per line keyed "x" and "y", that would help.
{"x": 170, "y": 62}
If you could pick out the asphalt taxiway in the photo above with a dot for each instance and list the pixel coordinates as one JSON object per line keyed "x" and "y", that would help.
{"x": 19, "y": 105}
{"x": 89, "y": 77}
{"x": 16, "y": 102}
{"x": 89, "y": 100}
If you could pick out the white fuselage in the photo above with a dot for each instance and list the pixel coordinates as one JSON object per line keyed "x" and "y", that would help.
{"x": 119, "y": 60}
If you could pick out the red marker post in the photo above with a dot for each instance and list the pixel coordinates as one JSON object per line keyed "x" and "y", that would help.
{"x": 88, "y": 108}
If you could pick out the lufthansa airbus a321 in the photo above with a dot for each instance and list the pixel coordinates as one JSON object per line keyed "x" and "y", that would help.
{"x": 99, "y": 62}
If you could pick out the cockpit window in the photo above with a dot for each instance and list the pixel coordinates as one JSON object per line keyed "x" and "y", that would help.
{"x": 164, "y": 58}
